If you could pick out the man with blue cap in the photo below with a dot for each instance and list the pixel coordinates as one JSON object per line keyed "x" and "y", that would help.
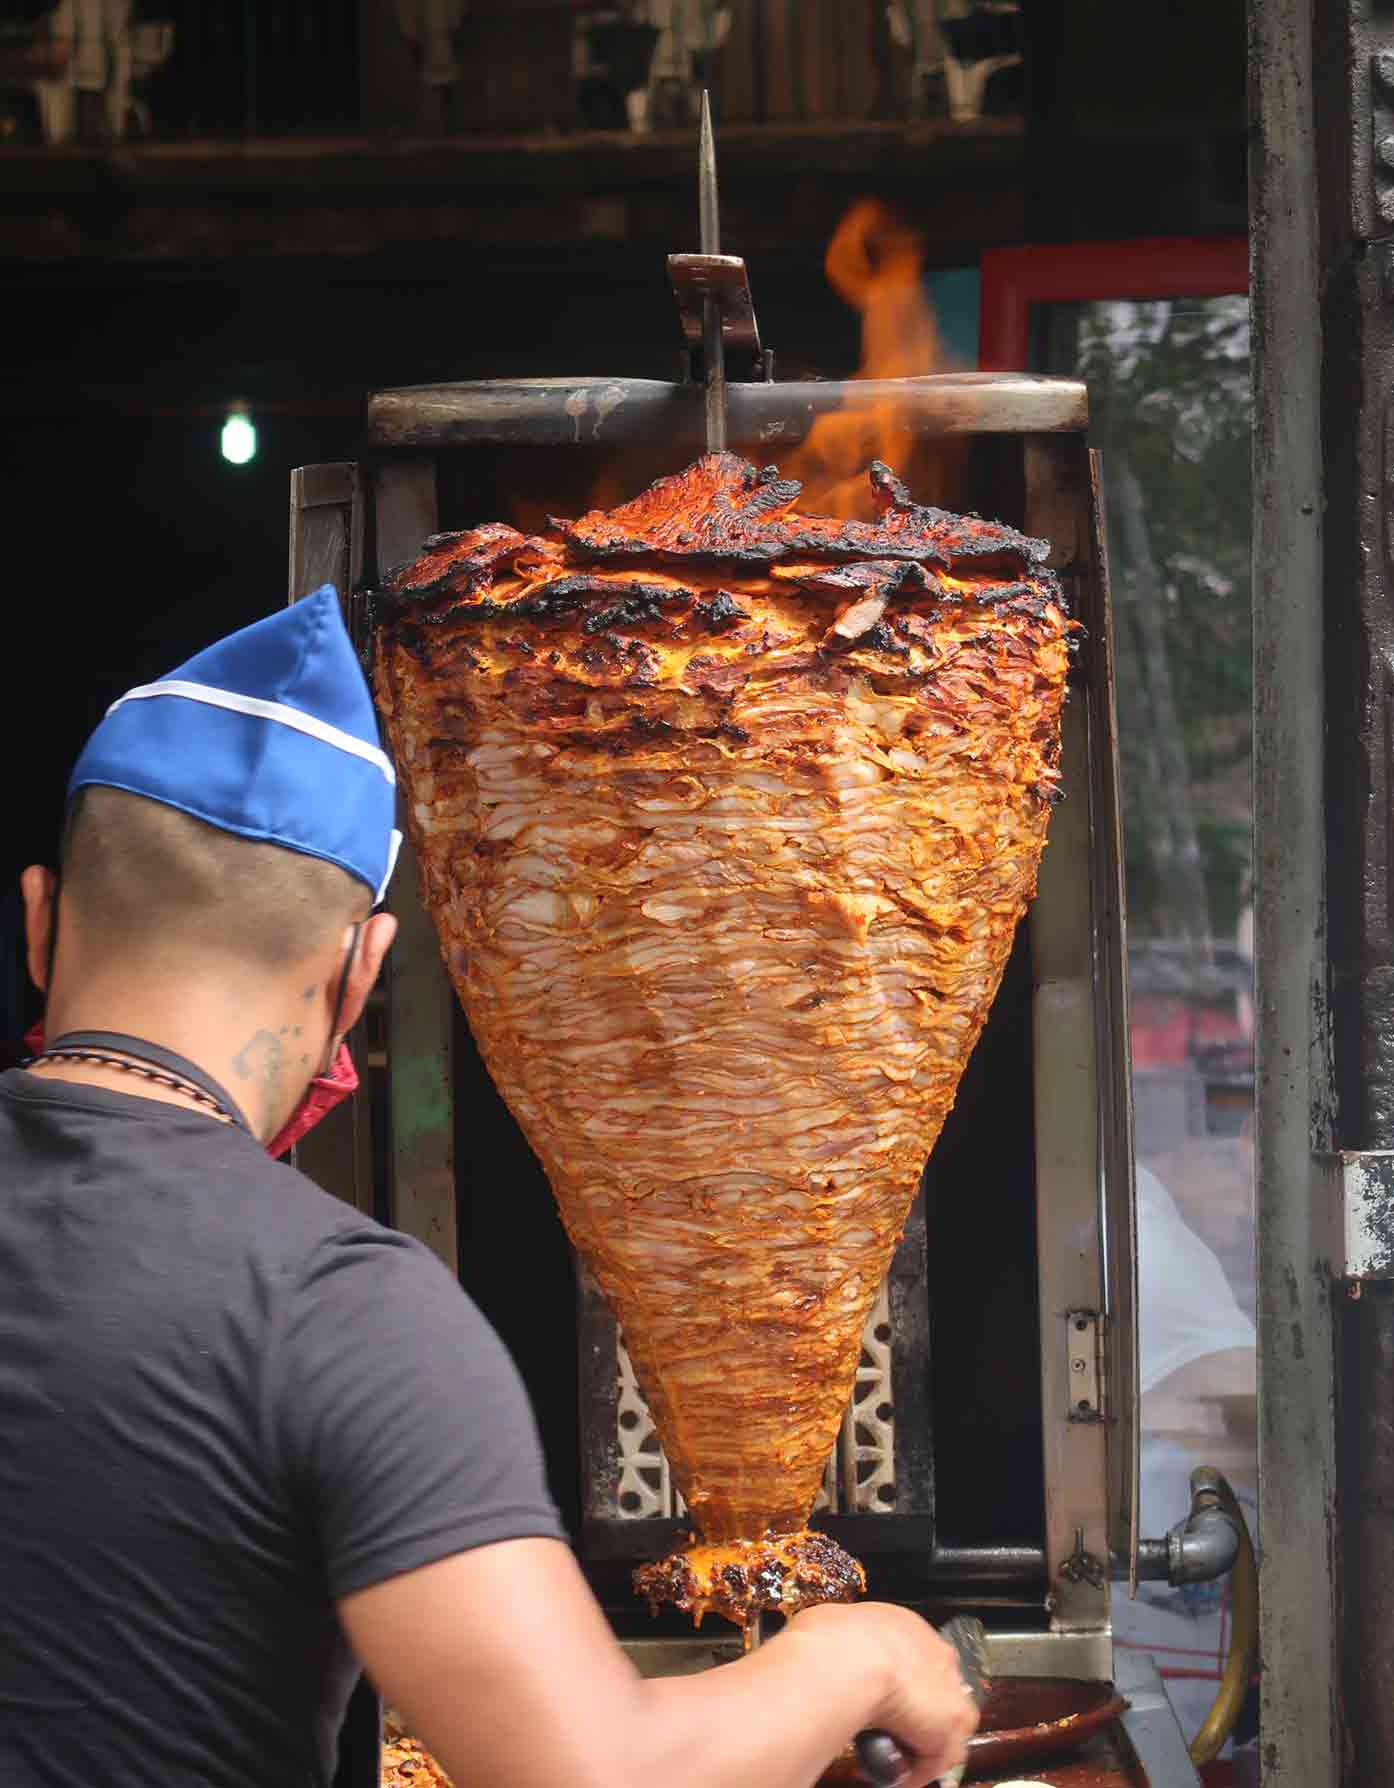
{"x": 249, "y": 1439}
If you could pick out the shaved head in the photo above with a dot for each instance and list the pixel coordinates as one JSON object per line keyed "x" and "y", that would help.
{"x": 145, "y": 876}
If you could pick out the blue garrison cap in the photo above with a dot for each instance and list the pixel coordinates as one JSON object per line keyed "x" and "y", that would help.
{"x": 271, "y": 734}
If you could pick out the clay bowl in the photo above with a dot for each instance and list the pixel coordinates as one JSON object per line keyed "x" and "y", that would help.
{"x": 1024, "y": 1719}
{"x": 1030, "y": 1717}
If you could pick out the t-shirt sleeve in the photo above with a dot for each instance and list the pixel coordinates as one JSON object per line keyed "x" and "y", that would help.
{"x": 403, "y": 1427}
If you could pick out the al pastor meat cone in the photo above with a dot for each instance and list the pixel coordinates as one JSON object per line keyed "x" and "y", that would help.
{"x": 726, "y": 816}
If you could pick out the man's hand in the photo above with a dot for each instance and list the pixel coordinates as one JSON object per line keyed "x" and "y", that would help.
{"x": 502, "y": 1663}
{"x": 925, "y": 1704}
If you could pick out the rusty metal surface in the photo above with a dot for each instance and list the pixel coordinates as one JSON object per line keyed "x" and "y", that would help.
{"x": 1354, "y": 111}
{"x": 1296, "y": 1370}
{"x": 601, "y": 412}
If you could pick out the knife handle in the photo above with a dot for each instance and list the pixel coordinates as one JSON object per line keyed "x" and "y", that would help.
{"x": 882, "y": 1761}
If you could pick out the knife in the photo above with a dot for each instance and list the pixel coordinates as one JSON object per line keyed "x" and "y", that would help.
{"x": 881, "y": 1757}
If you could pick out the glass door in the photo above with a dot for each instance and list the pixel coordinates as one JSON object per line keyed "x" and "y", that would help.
{"x": 1167, "y": 368}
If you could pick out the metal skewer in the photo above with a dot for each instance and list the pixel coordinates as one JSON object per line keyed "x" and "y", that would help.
{"x": 713, "y": 346}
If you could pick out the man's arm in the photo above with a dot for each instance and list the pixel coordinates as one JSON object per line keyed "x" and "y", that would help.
{"x": 405, "y": 1431}
{"x": 502, "y": 1663}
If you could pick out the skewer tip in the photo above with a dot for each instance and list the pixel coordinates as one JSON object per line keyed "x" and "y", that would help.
{"x": 708, "y": 204}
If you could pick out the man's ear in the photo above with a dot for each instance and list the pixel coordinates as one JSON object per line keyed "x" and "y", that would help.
{"x": 37, "y": 886}
{"x": 373, "y": 942}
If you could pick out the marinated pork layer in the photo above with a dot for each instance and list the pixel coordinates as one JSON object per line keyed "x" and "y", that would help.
{"x": 726, "y": 816}
{"x": 742, "y": 1578}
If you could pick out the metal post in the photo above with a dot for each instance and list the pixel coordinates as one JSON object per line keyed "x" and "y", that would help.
{"x": 1300, "y": 1747}
{"x": 1354, "y": 117}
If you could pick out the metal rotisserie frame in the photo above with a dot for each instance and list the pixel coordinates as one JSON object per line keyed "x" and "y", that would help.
{"x": 1058, "y": 1052}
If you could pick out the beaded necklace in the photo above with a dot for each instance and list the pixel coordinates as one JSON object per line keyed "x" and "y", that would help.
{"x": 100, "y": 1058}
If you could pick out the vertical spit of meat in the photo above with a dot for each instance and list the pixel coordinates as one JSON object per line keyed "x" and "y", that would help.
{"x": 726, "y": 816}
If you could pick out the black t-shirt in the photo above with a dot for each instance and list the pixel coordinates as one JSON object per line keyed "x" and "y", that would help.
{"x": 226, "y": 1399}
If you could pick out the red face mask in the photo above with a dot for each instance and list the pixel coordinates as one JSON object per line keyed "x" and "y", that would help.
{"x": 324, "y": 1092}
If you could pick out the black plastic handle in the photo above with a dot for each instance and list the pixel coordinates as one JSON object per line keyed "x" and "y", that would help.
{"x": 882, "y": 1761}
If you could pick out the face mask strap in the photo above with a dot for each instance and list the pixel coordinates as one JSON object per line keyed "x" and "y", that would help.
{"x": 52, "y": 943}
{"x": 349, "y": 960}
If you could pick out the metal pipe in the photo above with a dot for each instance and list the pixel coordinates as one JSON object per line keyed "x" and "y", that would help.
{"x": 1153, "y": 1562}
{"x": 987, "y": 1564}
{"x": 1197, "y": 1550}
{"x": 1206, "y": 1544}
{"x": 589, "y": 411}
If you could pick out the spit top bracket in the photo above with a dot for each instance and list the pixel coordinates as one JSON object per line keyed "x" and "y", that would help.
{"x": 720, "y": 337}
{"x": 723, "y": 280}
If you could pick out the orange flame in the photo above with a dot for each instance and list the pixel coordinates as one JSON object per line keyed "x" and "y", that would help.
{"x": 874, "y": 261}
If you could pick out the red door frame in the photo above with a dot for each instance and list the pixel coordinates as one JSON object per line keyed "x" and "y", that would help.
{"x": 1015, "y": 279}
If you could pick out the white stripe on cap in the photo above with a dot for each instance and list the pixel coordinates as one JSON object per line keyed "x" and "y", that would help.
{"x": 393, "y": 846}
{"x": 261, "y": 710}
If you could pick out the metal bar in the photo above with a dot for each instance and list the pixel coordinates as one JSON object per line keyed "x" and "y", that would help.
{"x": 1296, "y": 1368}
{"x": 326, "y": 545}
{"x": 911, "y": 1363}
{"x": 1077, "y": 1042}
{"x": 597, "y": 1388}
{"x": 1063, "y": 505}
{"x": 713, "y": 343}
{"x": 420, "y": 1000}
{"x": 1354, "y": 114}
{"x": 1150, "y": 1727}
{"x": 1086, "y": 1656}
{"x": 762, "y": 416}
{"x": 1109, "y": 902}
{"x": 867, "y": 1536}
{"x": 1068, "y": 1240}
{"x": 682, "y": 1657}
